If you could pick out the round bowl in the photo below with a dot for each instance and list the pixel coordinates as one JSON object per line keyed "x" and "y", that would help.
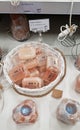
{"x": 38, "y": 91}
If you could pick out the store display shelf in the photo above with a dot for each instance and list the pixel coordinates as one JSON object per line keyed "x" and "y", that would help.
{"x": 46, "y": 105}
{"x": 40, "y": 7}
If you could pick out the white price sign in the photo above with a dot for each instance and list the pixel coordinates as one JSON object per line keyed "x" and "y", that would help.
{"x": 40, "y": 25}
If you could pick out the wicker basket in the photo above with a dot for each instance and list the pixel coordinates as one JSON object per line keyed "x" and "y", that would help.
{"x": 39, "y": 91}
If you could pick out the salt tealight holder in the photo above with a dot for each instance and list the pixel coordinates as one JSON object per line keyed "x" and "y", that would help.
{"x": 25, "y": 112}
{"x": 68, "y": 111}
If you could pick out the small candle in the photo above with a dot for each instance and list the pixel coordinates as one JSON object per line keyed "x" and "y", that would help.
{"x": 26, "y": 110}
{"x": 71, "y": 108}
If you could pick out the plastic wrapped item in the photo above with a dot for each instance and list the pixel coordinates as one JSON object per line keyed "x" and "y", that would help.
{"x": 17, "y": 73}
{"x": 25, "y": 113}
{"x": 19, "y": 27}
{"x": 15, "y": 60}
{"x": 68, "y": 111}
{"x": 50, "y": 75}
{"x": 41, "y": 59}
{"x": 30, "y": 64}
{"x": 77, "y": 84}
{"x": 27, "y": 53}
{"x": 34, "y": 82}
{"x": 52, "y": 61}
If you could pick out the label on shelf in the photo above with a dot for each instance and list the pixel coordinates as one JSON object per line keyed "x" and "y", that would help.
{"x": 39, "y": 25}
{"x": 30, "y": 7}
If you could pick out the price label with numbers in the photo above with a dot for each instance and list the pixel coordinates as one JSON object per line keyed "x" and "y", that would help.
{"x": 39, "y": 25}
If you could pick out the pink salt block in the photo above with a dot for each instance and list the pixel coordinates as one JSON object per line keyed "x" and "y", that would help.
{"x": 42, "y": 69}
{"x": 32, "y": 82}
{"x": 52, "y": 61}
{"x": 50, "y": 75}
{"x": 41, "y": 59}
{"x": 27, "y": 53}
{"x": 17, "y": 73}
{"x": 34, "y": 72}
{"x": 31, "y": 63}
{"x": 15, "y": 60}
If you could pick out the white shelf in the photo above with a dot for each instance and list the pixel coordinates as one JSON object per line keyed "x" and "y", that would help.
{"x": 40, "y": 7}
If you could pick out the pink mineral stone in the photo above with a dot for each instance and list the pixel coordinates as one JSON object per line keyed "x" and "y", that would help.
{"x": 27, "y": 53}
{"x": 32, "y": 82}
{"x": 25, "y": 113}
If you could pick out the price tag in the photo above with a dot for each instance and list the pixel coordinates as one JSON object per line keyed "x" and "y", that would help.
{"x": 40, "y": 25}
{"x": 31, "y": 7}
